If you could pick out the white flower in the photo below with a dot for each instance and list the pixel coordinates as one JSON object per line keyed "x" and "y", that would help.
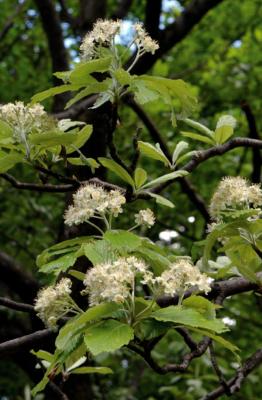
{"x": 91, "y": 200}
{"x": 226, "y": 120}
{"x": 235, "y": 193}
{"x": 54, "y": 302}
{"x": 180, "y": 276}
{"x": 24, "y": 119}
{"x": 145, "y": 217}
{"x": 103, "y": 33}
{"x": 113, "y": 281}
{"x": 143, "y": 40}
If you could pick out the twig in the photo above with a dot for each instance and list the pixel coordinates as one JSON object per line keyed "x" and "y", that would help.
{"x": 234, "y": 384}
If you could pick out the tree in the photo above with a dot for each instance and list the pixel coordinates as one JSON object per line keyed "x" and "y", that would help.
{"x": 48, "y": 156}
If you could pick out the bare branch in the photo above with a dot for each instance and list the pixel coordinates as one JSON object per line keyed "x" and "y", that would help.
{"x": 25, "y": 342}
{"x": 37, "y": 187}
{"x": 16, "y": 306}
{"x": 234, "y": 384}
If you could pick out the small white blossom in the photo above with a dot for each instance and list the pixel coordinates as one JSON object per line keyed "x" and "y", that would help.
{"x": 54, "y": 302}
{"x": 235, "y": 193}
{"x": 144, "y": 41}
{"x": 24, "y": 119}
{"x": 103, "y": 33}
{"x": 180, "y": 276}
{"x": 145, "y": 217}
{"x": 113, "y": 281}
{"x": 91, "y": 200}
{"x": 226, "y": 120}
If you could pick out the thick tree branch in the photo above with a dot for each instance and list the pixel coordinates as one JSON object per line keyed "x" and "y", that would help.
{"x": 53, "y": 30}
{"x": 253, "y": 134}
{"x": 13, "y": 305}
{"x": 17, "y": 278}
{"x": 26, "y": 342}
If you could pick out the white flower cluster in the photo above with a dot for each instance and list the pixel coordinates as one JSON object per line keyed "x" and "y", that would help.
{"x": 143, "y": 41}
{"x": 145, "y": 217}
{"x": 103, "y": 34}
{"x": 235, "y": 193}
{"x": 24, "y": 119}
{"x": 53, "y": 302}
{"x": 91, "y": 200}
{"x": 180, "y": 276}
{"x": 226, "y": 120}
{"x": 113, "y": 281}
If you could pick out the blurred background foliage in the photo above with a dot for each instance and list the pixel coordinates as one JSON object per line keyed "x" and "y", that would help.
{"x": 222, "y": 60}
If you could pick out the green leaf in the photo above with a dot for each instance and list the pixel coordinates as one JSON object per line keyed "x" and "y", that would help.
{"x": 170, "y": 88}
{"x": 165, "y": 178}
{"x": 81, "y": 137}
{"x": 199, "y": 127}
{"x": 198, "y": 137}
{"x": 219, "y": 339}
{"x": 81, "y": 74}
{"x": 202, "y": 305}
{"x": 181, "y": 315}
{"x": 9, "y": 161}
{"x": 223, "y": 133}
{"x": 117, "y": 169}
{"x": 142, "y": 93}
{"x": 5, "y": 129}
{"x": 140, "y": 177}
{"x": 92, "y": 370}
{"x": 123, "y": 77}
{"x": 54, "y": 138}
{"x": 120, "y": 238}
{"x": 149, "y": 329}
{"x": 180, "y": 148}
{"x": 153, "y": 152}
{"x": 161, "y": 200}
{"x": 78, "y": 323}
{"x": 102, "y": 99}
{"x": 43, "y": 355}
{"x": 98, "y": 252}
{"x": 77, "y": 274}
{"x": 96, "y": 87}
{"x": 40, "y": 386}
{"x": 107, "y": 336}
{"x": 37, "y": 98}
{"x": 60, "y": 264}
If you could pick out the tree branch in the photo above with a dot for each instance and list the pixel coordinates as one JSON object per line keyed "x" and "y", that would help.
{"x": 234, "y": 384}
{"x": 13, "y": 305}
{"x": 17, "y": 278}
{"x": 219, "y": 150}
{"x": 25, "y": 342}
{"x": 186, "y": 186}
{"x": 253, "y": 133}
{"x": 176, "y": 32}
{"x": 37, "y": 187}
